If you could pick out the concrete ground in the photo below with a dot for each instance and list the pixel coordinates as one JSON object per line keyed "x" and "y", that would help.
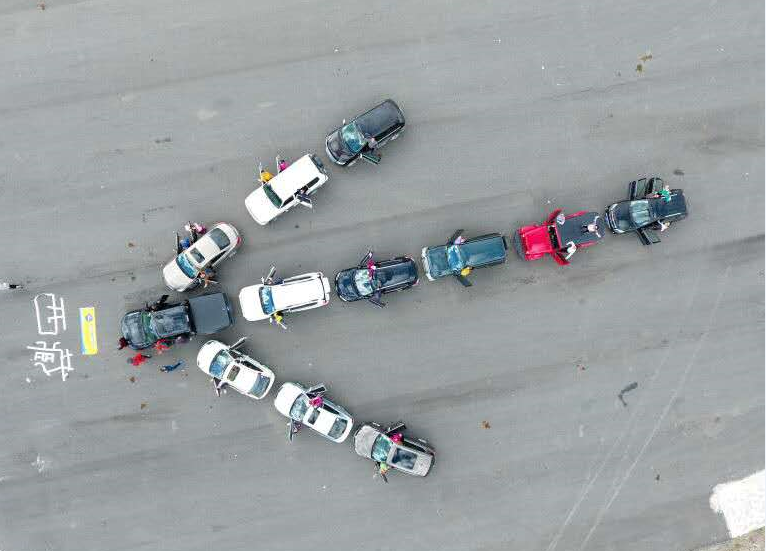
{"x": 120, "y": 121}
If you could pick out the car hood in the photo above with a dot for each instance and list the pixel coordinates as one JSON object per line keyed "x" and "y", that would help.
{"x": 260, "y": 208}
{"x": 438, "y": 265}
{"x": 207, "y": 353}
{"x": 380, "y": 120}
{"x": 344, "y": 284}
{"x": 284, "y": 399}
{"x": 250, "y": 303}
{"x": 335, "y": 148}
{"x": 535, "y": 240}
{"x": 133, "y": 331}
{"x": 174, "y": 278}
{"x": 619, "y": 216}
{"x": 364, "y": 439}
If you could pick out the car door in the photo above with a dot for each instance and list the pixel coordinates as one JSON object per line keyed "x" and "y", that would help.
{"x": 638, "y": 189}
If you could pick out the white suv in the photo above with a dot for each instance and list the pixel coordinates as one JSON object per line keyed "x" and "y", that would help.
{"x": 293, "y": 186}
{"x": 273, "y": 298}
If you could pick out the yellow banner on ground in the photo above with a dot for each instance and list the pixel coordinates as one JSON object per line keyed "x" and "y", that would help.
{"x": 88, "y": 331}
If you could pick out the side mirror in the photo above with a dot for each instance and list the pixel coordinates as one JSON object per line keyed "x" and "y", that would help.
{"x": 454, "y": 236}
{"x": 344, "y": 122}
{"x": 463, "y": 280}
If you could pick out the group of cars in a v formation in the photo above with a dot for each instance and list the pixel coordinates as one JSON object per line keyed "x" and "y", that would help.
{"x": 650, "y": 208}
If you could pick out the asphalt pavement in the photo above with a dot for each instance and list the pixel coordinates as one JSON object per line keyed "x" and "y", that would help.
{"x": 120, "y": 121}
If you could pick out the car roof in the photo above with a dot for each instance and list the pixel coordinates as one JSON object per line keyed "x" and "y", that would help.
{"x": 572, "y": 229}
{"x": 294, "y": 293}
{"x": 295, "y": 176}
{"x": 483, "y": 249}
{"x": 676, "y": 205}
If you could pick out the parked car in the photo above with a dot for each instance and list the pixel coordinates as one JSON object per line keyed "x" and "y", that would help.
{"x": 307, "y": 407}
{"x": 382, "y": 123}
{"x": 216, "y": 245}
{"x": 233, "y": 368}
{"x": 396, "y": 450}
{"x": 651, "y": 205}
{"x": 203, "y": 315}
{"x": 370, "y": 280}
{"x": 560, "y": 236}
{"x": 459, "y": 256}
{"x": 275, "y": 297}
{"x": 293, "y": 186}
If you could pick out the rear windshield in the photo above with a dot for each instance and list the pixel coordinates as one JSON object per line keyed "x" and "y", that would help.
{"x": 337, "y": 428}
{"x": 220, "y": 238}
{"x": 404, "y": 458}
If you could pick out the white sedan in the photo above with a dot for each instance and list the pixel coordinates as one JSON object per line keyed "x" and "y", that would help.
{"x": 218, "y": 243}
{"x": 328, "y": 419}
{"x": 273, "y": 298}
{"x": 235, "y": 369}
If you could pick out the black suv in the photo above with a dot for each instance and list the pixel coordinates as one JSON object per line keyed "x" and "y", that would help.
{"x": 362, "y": 136}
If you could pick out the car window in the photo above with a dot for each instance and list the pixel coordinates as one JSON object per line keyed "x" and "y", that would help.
{"x": 381, "y": 447}
{"x": 337, "y": 428}
{"x": 404, "y": 458}
{"x": 267, "y": 302}
{"x": 313, "y": 417}
{"x": 260, "y": 386}
{"x": 455, "y": 258}
{"x": 313, "y": 181}
{"x": 233, "y": 373}
{"x": 217, "y": 257}
{"x": 148, "y": 327}
{"x": 363, "y": 282}
{"x": 639, "y": 212}
{"x": 198, "y": 257}
{"x": 273, "y": 197}
{"x": 331, "y": 409}
{"x": 299, "y": 407}
{"x": 352, "y": 137}
{"x": 219, "y": 238}
{"x": 219, "y": 364}
{"x": 186, "y": 266}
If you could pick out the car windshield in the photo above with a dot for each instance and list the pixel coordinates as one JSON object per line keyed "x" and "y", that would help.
{"x": 404, "y": 459}
{"x": 267, "y": 302}
{"x": 148, "y": 327}
{"x": 455, "y": 258}
{"x": 260, "y": 386}
{"x": 639, "y": 213}
{"x": 219, "y": 364}
{"x": 364, "y": 283}
{"x": 299, "y": 407}
{"x": 273, "y": 197}
{"x": 337, "y": 428}
{"x": 381, "y": 447}
{"x": 186, "y": 266}
{"x": 352, "y": 137}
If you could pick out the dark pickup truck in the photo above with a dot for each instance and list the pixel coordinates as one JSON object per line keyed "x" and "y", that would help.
{"x": 204, "y": 315}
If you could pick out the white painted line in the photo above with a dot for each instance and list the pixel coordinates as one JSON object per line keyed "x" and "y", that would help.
{"x": 741, "y": 503}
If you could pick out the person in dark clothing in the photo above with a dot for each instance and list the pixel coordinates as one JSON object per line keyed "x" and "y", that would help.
{"x": 166, "y": 368}
{"x": 123, "y": 343}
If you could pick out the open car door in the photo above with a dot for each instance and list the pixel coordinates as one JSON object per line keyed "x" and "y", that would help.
{"x": 639, "y": 189}
{"x": 647, "y": 236}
